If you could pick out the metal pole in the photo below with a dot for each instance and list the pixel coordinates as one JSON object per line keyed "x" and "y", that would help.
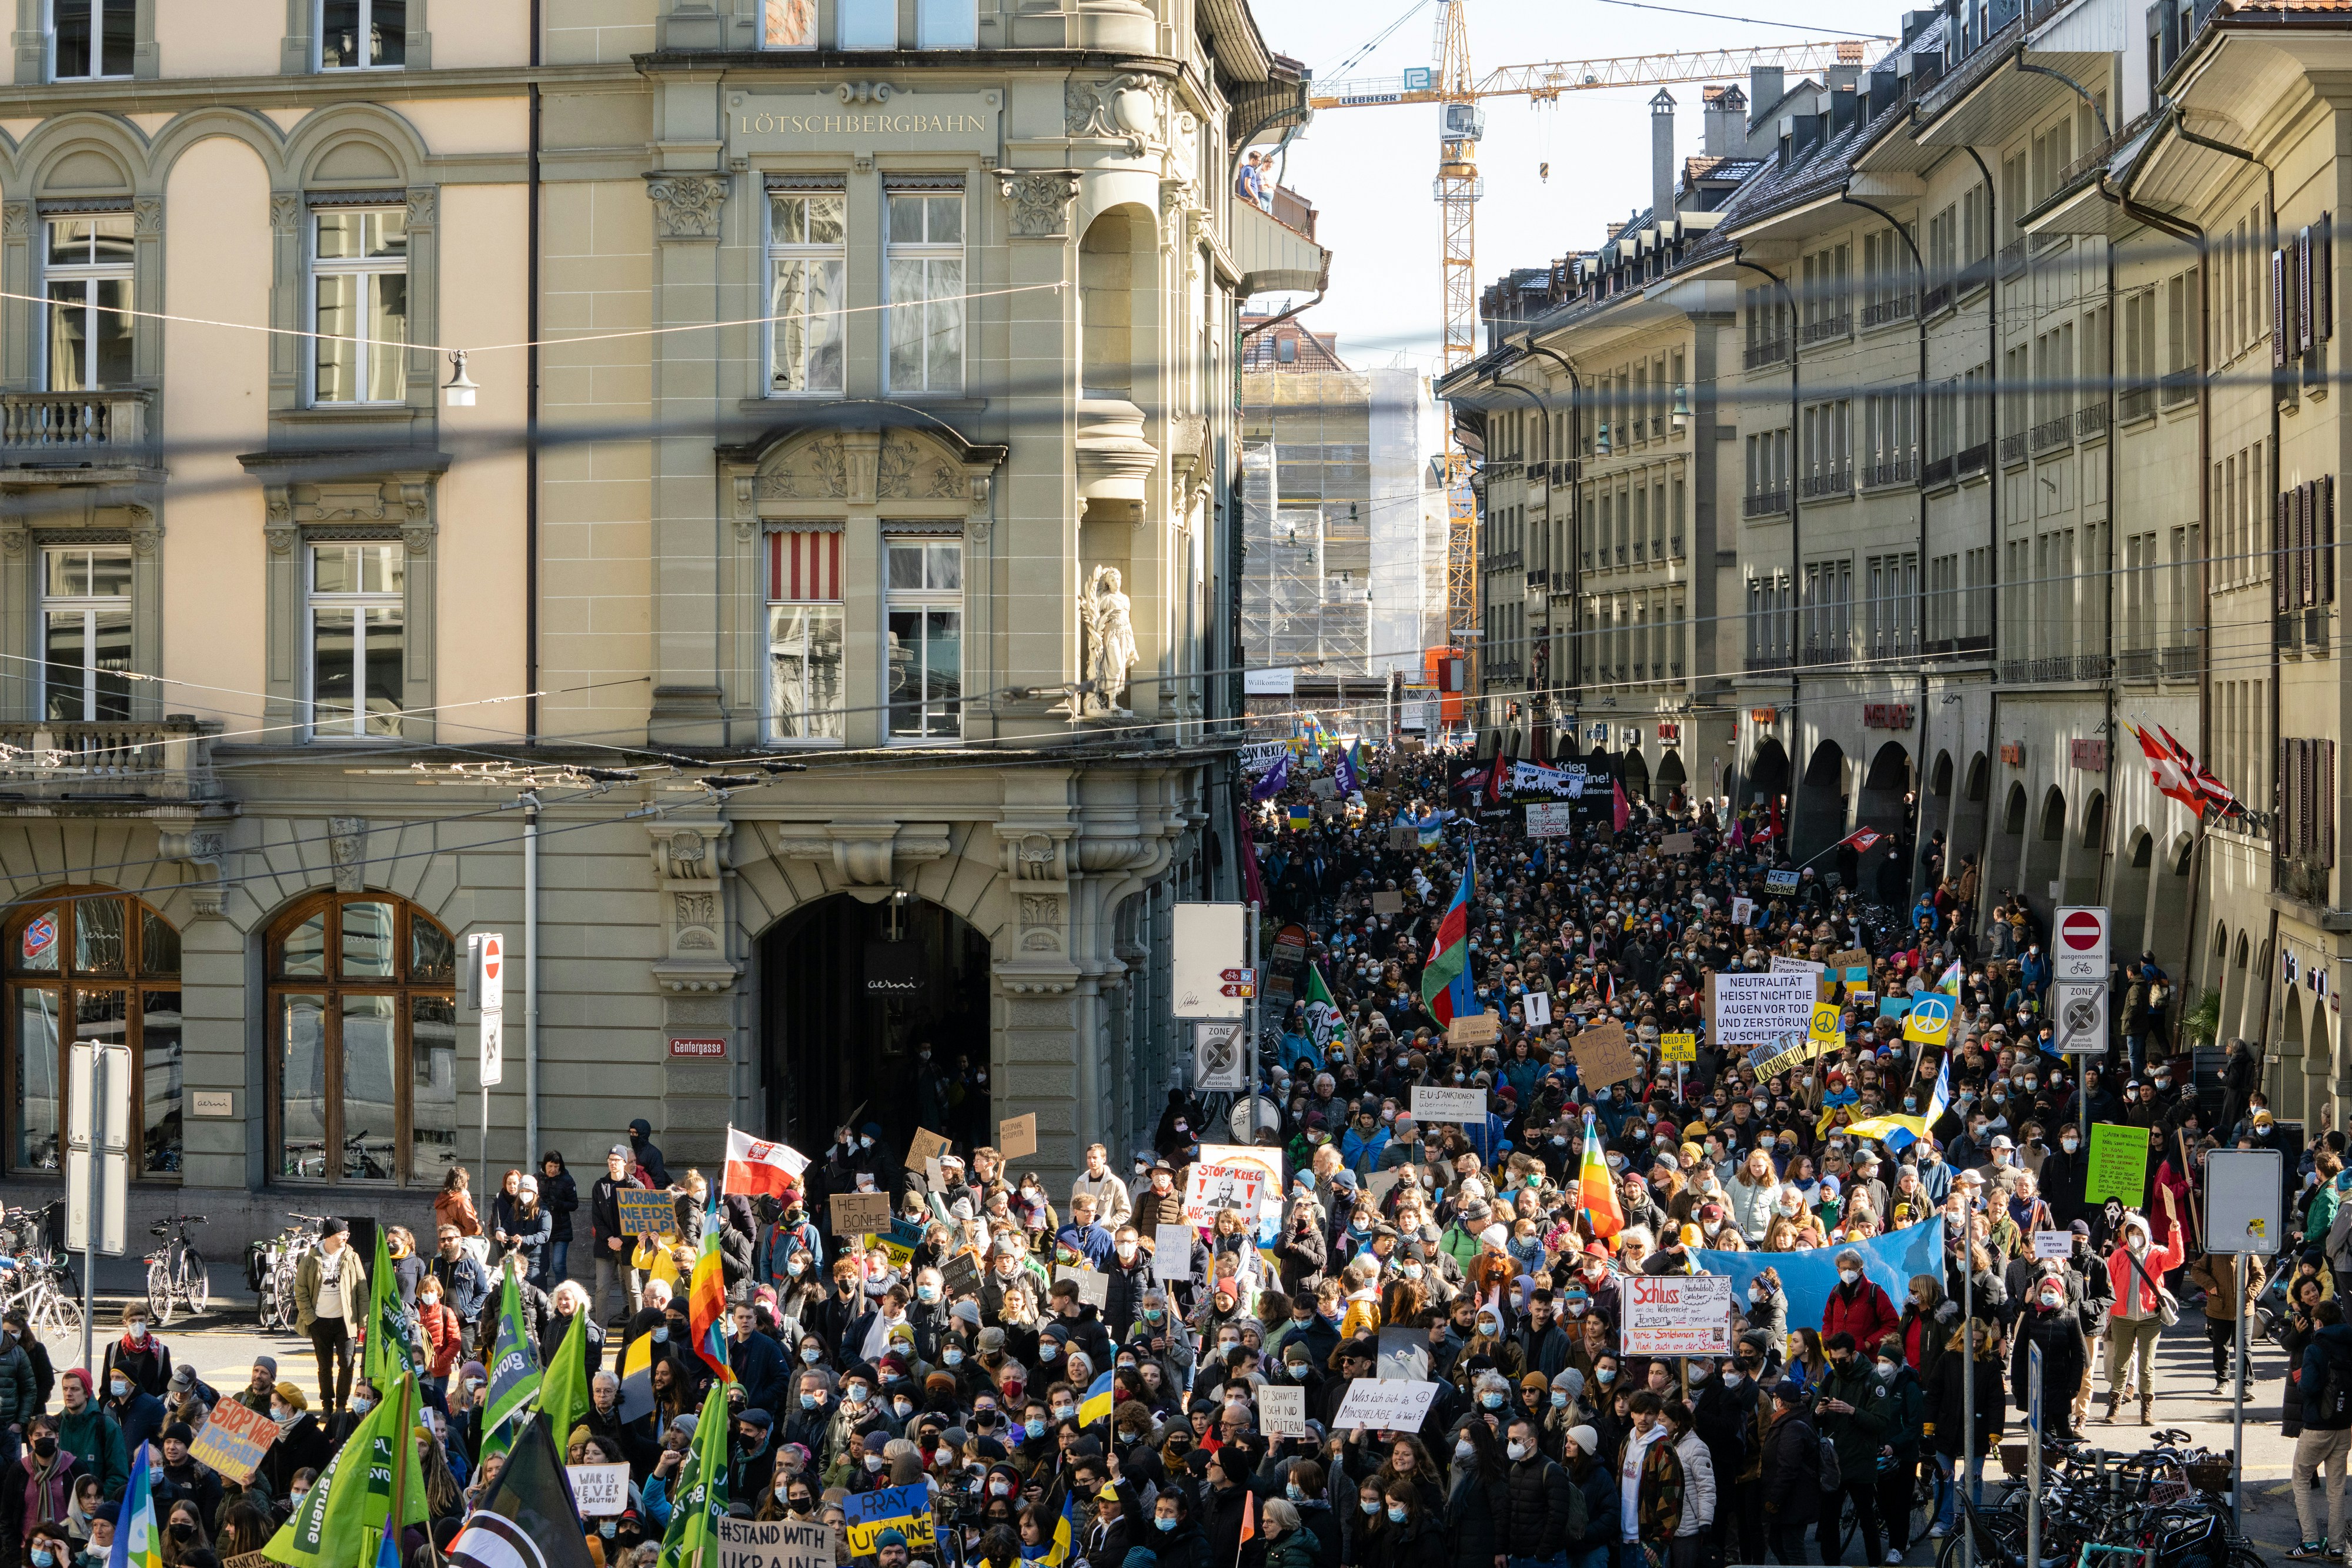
{"x": 2034, "y": 1461}
{"x": 530, "y": 1150}
{"x": 1967, "y": 1381}
{"x": 2238, "y": 1402}
{"x": 93, "y": 1219}
{"x": 1257, "y": 985}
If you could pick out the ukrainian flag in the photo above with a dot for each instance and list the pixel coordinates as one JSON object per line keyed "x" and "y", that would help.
{"x": 1097, "y": 1405}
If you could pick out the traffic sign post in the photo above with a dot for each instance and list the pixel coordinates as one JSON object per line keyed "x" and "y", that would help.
{"x": 98, "y": 1163}
{"x": 2032, "y": 1456}
{"x": 2079, "y": 949}
{"x": 2079, "y": 1008}
{"x": 485, "y": 990}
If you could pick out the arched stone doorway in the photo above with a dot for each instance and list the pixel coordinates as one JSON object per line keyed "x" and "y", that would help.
{"x": 1817, "y": 818}
{"x": 2043, "y": 848}
{"x": 1671, "y": 779}
{"x": 1636, "y": 774}
{"x": 2084, "y": 865}
{"x": 2001, "y": 877}
{"x": 1883, "y": 803}
{"x": 2129, "y": 899}
{"x": 851, "y": 993}
{"x": 1768, "y": 775}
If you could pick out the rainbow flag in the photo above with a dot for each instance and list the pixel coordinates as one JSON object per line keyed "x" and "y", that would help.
{"x": 138, "y": 1542}
{"x": 706, "y": 1297}
{"x": 1596, "y": 1193}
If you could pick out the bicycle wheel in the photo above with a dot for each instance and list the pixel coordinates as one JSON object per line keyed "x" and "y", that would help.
{"x": 159, "y": 1290}
{"x": 195, "y": 1279}
{"x": 1923, "y": 1505}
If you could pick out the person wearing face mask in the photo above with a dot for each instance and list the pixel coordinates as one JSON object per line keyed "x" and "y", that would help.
{"x": 2052, "y": 1321}
{"x": 38, "y": 1486}
{"x": 140, "y": 1414}
{"x": 1857, "y": 1304}
{"x": 139, "y": 1354}
{"x": 1854, "y": 1413}
{"x": 1477, "y": 1502}
{"x": 2136, "y": 1271}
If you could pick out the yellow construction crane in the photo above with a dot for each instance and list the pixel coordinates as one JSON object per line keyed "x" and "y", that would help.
{"x": 1457, "y": 188}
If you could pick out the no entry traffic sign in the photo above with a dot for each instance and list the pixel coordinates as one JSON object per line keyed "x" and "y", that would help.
{"x": 2080, "y": 952}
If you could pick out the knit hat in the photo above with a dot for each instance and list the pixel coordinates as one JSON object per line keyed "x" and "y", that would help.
{"x": 79, "y": 1375}
{"x": 266, "y": 1364}
{"x": 1586, "y": 1439}
{"x": 292, "y": 1396}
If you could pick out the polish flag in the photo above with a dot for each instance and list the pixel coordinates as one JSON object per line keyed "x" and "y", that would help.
{"x": 755, "y": 1166}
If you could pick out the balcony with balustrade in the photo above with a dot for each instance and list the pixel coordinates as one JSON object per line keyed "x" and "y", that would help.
{"x": 77, "y": 438}
{"x": 66, "y": 762}
{"x": 1764, "y": 504}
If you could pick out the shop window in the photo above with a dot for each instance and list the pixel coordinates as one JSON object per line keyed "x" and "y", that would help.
{"x": 91, "y": 965}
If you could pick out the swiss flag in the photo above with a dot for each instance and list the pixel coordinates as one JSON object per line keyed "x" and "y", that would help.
{"x": 755, "y": 1166}
{"x": 1862, "y": 839}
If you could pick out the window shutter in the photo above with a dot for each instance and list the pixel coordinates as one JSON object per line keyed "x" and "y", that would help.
{"x": 805, "y": 566}
{"x": 2285, "y": 836}
{"x": 2303, "y": 290}
{"x": 2279, "y": 346}
{"x": 2282, "y": 563}
{"x": 2323, "y": 278}
{"x": 2325, "y": 792}
{"x": 2306, "y": 564}
{"x": 2323, "y": 531}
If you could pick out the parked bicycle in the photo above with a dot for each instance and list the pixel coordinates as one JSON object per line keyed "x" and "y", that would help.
{"x": 35, "y": 1274}
{"x": 175, "y": 1272}
{"x": 270, "y": 1266}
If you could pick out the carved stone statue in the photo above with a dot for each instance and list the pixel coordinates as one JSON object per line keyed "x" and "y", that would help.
{"x": 1110, "y": 641}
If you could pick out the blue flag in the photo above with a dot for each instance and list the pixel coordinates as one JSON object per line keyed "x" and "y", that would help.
{"x": 1808, "y": 1277}
{"x": 1274, "y": 780}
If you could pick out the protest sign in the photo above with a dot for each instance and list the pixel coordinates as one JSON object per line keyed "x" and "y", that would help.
{"x": 1827, "y": 1017}
{"x": 1752, "y": 1008}
{"x": 900, "y": 1241}
{"x": 1678, "y": 844}
{"x": 1212, "y": 1189}
{"x": 233, "y": 1440}
{"x": 1388, "y": 904}
{"x": 647, "y": 1213}
{"x": 601, "y": 1490}
{"x": 1281, "y": 1412}
{"x": 1676, "y": 1314}
{"x": 1743, "y": 910}
{"x": 1549, "y": 822}
{"x": 2058, "y": 1244}
{"x": 1784, "y": 965}
{"x": 1602, "y": 1055}
{"x": 1475, "y": 1028}
{"x": 1383, "y": 1183}
{"x": 907, "y": 1507}
{"x": 773, "y": 1543}
{"x": 926, "y": 1146}
{"x": 1171, "y": 1253}
{"x": 1385, "y": 1405}
{"x": 1682, "y": 1046}
{"x": 1016, "y": 1137}
{"x": 1463, "y": 1105}
{"x": 1094, "y": 1285}
{"x": 860, "y": 1213}
{"x": 1404, "y": 1352}
{"x": 1536, "y": 1007}
{"x": 1845, "y": 962}
{"x": 1781, "y": 881}
{"x": 1894, "y": 1007}
{"x": 2118, "y": 1165}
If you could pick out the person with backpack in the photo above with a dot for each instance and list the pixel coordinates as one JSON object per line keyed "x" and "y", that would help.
{"x": 1589, "y": 1474}
{"x": 1547, "y": 1518}
{"x": 1792, "y": 1483}
{"x": 1971, "y": 1353}
{"x": 2325, "y": 1379}
{"x": 1853, "y": 1409}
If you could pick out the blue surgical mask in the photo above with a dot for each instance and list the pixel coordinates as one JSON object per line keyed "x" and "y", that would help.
{"x": 1165, "y": 1521}
{"x": 1033, "y": 1428}
{"x": 1371, "y": 1506}
{"x": 928, "y": 1292}
{"x": 1607, "y": 1375}
{"x": 1491, "y": 1401}
{"x": 810, "y": 1401}
{"x": 1560, "y": 1398}
{"x": 1396, "y": 1514}
{"x": 953, "y": 1356}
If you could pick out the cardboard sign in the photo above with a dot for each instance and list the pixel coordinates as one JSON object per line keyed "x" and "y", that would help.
{"x": 1383, "y": 1183}
{"x": 1781, "y": 881}
{"x": 1212, "y": 1189}
{"x": 1751, "y": 1009}
{"x": 1550, "y": 820}
{"x": 1384, "y": 1405}
{"x": 647, "y": 1213}
{"x": 1094, "y": 1285}
{"x": 1678, "y": 844}
{"x": 2118, "y": 1167}
{"x": 1016, "y": 1137}
{"x": 1676, "y": 1314}
{"x": 1435, "y": 1104}
{"x": 1171, "y": 1253}
{"x": 908, "y": 1508}
{"x": 1827, "y": 1017}
{"x": 1743, "y": 910}
{"x": 1847, "y": 960}
{"x": 1388, "y": 904}
{"x": 860, "y": 1213}
{"x": 773, "y": 1543}
{"x": 1678, "y": 1047}
{"x": 1281, "y": 1412}
{"x": 926, "y": 1147}
{"x": 2058, "y": 1244}
{"x": 1784, "y": 965}
{"x": 1602, "y": 1055}
{"x": 1475, "y": 1028}
{"x": 601, "y": 1490}
{"x": 234, "y": 1440}
{"x": 1536, "y": 1007}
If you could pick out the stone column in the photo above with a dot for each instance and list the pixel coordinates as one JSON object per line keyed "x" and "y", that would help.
{"x": 1037, "y": 538}
{"x": 697, "y": 981}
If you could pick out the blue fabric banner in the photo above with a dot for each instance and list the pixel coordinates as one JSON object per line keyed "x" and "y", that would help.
{"x": 1808, "y": 1277}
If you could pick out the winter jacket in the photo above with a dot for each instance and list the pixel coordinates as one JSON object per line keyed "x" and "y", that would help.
{"x": 1858, "y": 1433}
{"x": 1658, "y": 1496}
{"x": 1477, "y": 1516}
{"x": 350, "y": 1290}
{"x": 1602, "y": 1508}
{"x": 2126, "y": 1279}
{"x": 528, "y": 1234}
{"x": 1945, "y": 1406}
{"x": 20, "y": 1397}
{"x": 2065, "y": 1354}
{"x": 1698, "y": 1485}
{"x": 2333, "y": 1344}
{"x": 1418, "y": 1543}
{"x": 560, "y": 1195}
{"x": 149, "y": 1365}
{"x": 27, "y": 1498}
{"x": 1751, "y": 1206}
{"x": 96, "y": 1443}
{"x": 465, "y": 1288}
{"x": 1542, "y": 1502}
{"x": 1862, "y": 1309}
{"x": 443, "y": 1338}
{"x": 1792, "y": 1471}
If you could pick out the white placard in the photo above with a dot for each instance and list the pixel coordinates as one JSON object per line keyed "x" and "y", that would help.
{"x": 773, "y": 1543}
{"x": 1435, "y": 1104}
{"x": 2242, "y": 1212}
{"x": 1172, "y": 1252}
{"x": 601, "y": 1490}
{"x": 1676, "y": 1314}
{"x": 1094, "y": 1285}
{"x": 2058, "y": 1244}
{"x": 1281, "y": 1412}
{"x": 1207, "y": 946}
{"x": 1784, "y": 965}
{"x": 1536, "y": 1007}
{"x": 1755, "y": 1009}
{"x": 1210, "y": 1189}
{"x": 1385, "y": 1405}
{"x": 1550, "y": 820}
{"x": 1743, "y": 910}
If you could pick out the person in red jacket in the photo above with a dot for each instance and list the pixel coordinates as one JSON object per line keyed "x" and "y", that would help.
{"x": 1857, "y": 1305}
{"x": 2136, "y": 1316}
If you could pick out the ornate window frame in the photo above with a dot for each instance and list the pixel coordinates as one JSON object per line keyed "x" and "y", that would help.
{"x": 298, "y": 51}
{"x": 32, "y": 45}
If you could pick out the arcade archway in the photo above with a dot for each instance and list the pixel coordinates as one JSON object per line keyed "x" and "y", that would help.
{"x": 851, "y": 993}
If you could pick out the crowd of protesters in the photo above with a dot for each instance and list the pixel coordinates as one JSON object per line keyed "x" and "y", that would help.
{"x": 967, "y": 1351}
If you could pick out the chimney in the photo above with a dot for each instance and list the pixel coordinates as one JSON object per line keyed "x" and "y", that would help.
{"x": 1764, "y": 89}
{"x": 1662, "y": 157}
{"x": 1726, "y": 116}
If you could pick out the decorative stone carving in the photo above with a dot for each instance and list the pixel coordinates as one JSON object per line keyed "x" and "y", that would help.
{"x": 1110, "y": 641}
{"x": 13, "y": 542}
{"x": 687, "y": 207}
{"x": 867, "y": 856}
{"x": 816, "y": 469}
{"x": 1125, "y": 109}
{"x": 347, "y": 851}
{"x": 747, "y": 507}
{"x": 285, "y": 212}
{"x": 424, "y": 201}
{"x": 15, "y": 219}
{"x": 146, "y": 530}
{"x": 1040, "y": 909}
{"x": 697, "y": 908}
{"x": 909, "y": 468}
{"x": 688, "y": 858}
{"x": 202, "y": 850}
{"x": 1041, "y": 201}
{"x": 147, "y": 216}
{"x": 1115, "y": 458}
{"x": 864, "y": 91}
{"x": 1037, "y": 857}
{"x": 981, "y": 485}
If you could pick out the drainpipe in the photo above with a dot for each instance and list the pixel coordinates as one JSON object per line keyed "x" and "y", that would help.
{"x": 1796, "y": 536}
{"x": 1919, "y": 320}
{"x": 530, "y": 464}
{"x": 531, "y": 977}
{"x": 1992, "y": 523}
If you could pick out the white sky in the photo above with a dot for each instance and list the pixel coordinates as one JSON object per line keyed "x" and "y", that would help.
{"x": 1369, "y": 170}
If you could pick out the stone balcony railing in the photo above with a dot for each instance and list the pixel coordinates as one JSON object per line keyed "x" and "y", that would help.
{"x": 77, "y": 430}
{"x": 168, "y": 759}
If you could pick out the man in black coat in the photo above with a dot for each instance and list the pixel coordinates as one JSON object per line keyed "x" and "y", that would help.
{"x": 1544, "y": 1502}
{"x": 758, "y": 1361}
{"x": 1792, "y": 1473}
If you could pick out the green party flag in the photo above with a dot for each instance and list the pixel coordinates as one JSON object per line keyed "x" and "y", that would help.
{"x": 563, "y": 1387}
{"x": 390, "y": 1349}
{"x": 514, "y": 1362}
{"x": 700, "y": 1501}
{"x": 342, "y": 1518}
